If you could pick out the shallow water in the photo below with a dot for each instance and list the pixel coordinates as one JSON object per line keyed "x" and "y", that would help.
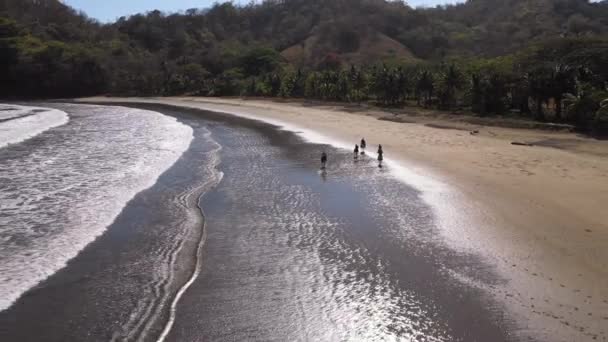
{"x": 289, "y": 253}
{"x": 294, "y": 253}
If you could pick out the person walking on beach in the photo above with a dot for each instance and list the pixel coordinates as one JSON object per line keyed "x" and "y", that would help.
{"x": 380, "y": 155}
{"x": 363, "y": 145}
{"x": 323, "y": 160}
{"x": 356, "y": 151}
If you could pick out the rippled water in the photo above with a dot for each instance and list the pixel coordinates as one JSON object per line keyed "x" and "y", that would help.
{"x": 62, "y": 189}
{"x": 293, "y": 253}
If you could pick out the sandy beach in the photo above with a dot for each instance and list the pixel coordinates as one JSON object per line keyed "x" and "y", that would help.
{"x": 536, "y": 213}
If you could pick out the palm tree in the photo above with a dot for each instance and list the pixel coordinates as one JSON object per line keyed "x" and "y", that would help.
{"x": 342, "y": 86}
{"x": 452, "y": 80}
{"x": 402, "y": 85}
{"x": 496, "y": 92}
{"x": 392, "y": 89}
{"x": 520, "y": 95}
{"x": 356, "y": 85}
{"x": 604, "y": 103}
{"x": 477, "y": 94}
{"x": 383, "y": 84}
{"x": 425, "y": 87}
{"x": 561, "y": 82}
{"x": 536, "y": 82}
{"x": 572, "y": 101}
{"x": 311, "y": 85}
{"x": 580, "y": 104}
{"x": 298, "y": 87}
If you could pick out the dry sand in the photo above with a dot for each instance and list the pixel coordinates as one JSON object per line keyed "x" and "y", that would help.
{"x": 538, "y": 214}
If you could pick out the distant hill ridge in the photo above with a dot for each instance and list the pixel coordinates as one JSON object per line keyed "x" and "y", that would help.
{"x": 358, "y": 30}
{"x": 50, "y": 49}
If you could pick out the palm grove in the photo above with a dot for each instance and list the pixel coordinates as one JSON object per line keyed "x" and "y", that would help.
{"x": 545, "y": 60}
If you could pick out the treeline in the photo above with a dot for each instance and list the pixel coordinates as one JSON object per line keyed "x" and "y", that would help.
{"x": 540, "y": 59}
{"x": 33, "y": 67}
{"x": 563, "y": 81}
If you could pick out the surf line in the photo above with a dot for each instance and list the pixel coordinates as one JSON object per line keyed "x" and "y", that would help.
{"x": 184, "y": 288}
{"x": 197, "y": 267}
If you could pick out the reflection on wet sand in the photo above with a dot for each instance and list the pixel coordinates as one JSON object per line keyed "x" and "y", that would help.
{"x": 345, "y": 253}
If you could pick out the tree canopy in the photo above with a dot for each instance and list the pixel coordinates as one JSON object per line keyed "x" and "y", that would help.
{"x": 540, "y": 58}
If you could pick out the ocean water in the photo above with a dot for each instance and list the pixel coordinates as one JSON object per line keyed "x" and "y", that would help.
{"x": 238, "y": 236}
{"x": 62, "y": 183}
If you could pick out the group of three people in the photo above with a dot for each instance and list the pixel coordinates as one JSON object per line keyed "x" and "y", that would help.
{"x": 356, "y": 151}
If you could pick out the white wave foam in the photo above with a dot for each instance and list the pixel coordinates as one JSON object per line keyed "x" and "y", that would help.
{"x": 20, "y": 123}
{"x": 59, "y": 198}
{"x": 12, "y": 111}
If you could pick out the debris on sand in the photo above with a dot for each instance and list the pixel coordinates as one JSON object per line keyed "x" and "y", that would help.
{"x": 521, "y": 143}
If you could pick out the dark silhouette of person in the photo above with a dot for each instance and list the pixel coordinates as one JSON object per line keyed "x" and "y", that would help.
{"x": 380, "y": 155}
{"x": 380, "y": 149}
{"x": 323, "y": 160}
{"x": 356, "y": 150}
{"x": 363, "y": 144}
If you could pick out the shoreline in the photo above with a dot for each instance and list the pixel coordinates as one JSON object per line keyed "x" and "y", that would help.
{"x": 198, "y": 251}
{"x": 543, "y": 229}
{"x": 241, "y": 258}
{"x": 101, "y": 282}
{"x": 196, "y": 267}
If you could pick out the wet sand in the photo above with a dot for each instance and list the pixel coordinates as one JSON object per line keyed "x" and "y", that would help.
{"x": 536, "y": 214}
{"x": 288, "y": 253}
{"x": 294, "y": 253}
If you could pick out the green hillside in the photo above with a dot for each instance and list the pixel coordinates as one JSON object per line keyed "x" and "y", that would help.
{"x": 542, "y": 57}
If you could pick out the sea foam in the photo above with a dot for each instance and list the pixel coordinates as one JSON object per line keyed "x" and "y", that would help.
{"x": 19, "y": 123}
{"x": 58, "y": 195}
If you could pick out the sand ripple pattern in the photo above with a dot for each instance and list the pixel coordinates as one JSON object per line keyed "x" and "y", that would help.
{"x": 170, "y": 277}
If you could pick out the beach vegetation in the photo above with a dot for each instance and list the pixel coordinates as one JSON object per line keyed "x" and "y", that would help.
{"x": 529, "y": 59}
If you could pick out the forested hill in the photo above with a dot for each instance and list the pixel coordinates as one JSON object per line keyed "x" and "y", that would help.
{"x": 306, "y": 33}
{"x": 487, "y": 27}
{"x": 329, "y": 49}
